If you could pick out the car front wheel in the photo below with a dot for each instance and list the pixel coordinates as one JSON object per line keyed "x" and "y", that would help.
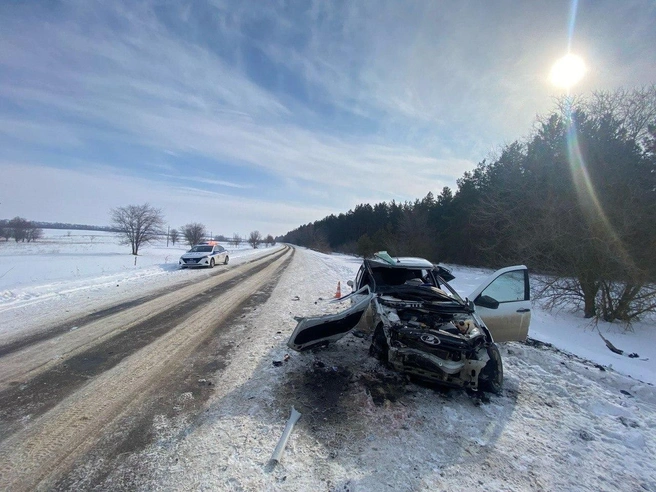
{"x": 490, "y": 379}
{"x": 226, "y": 260}
{"x": 211, "y": 262}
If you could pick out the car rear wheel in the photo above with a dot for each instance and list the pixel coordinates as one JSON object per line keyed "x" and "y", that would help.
{"x": 211, "y": 262}
{"x": 490, "y": 378}
{"x": 226, "y": 260}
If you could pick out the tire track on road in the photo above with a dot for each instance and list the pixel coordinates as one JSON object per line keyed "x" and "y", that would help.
{"x": 58, "y": 378}
{"x": 35, "y": 456}
{"x": 18, "y": 367}
{"x": 201, "y": 377}
{"x": 107, "y": 310}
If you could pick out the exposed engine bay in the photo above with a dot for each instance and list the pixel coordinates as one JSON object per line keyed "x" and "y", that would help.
{"x": 429, "y": 342}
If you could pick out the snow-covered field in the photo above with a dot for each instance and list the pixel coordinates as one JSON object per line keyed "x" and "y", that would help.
{"x": 73, "y": 270}
{"x": 578, "y": 418}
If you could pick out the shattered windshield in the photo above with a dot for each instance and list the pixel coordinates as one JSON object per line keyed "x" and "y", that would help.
{"x": 391, "y": 277}
{"x": 416, "y": 283}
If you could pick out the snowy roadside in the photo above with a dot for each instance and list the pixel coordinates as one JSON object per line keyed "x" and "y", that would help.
{"x": 560, "y": 424}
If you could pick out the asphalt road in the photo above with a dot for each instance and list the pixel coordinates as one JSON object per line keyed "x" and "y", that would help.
{"x": 83, "y": 388}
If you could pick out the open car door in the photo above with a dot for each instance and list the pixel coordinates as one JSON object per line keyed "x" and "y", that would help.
{"x": 321, "y": 330}
{"x": 503, "y": 301}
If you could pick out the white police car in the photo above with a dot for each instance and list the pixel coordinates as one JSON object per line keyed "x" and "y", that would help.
{"x": 204, "y": 255}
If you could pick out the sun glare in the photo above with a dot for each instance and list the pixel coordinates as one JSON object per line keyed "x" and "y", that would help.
{"x": 567, "y": 71}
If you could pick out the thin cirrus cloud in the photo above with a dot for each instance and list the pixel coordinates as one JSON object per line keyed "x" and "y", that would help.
{"x": 315, "y": 107}
{"x": 208, "y": 181}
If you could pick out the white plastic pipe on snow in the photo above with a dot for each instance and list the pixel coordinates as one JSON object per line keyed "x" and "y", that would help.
{"x": 293, "y": 418}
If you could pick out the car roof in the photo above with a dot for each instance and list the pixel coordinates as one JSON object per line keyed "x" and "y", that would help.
{"x": 386, "y": 261}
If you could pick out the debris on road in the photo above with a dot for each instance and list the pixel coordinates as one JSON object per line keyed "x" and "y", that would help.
{"x": 277, "y": 453}
{"x": 278, "y": 363}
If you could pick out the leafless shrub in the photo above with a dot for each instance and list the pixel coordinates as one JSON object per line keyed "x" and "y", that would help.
{"x": 614, "y": 300}
{"x": 558, "y": 292}
{"x": 625, "y": 301}
{"x": 33, "y": 233}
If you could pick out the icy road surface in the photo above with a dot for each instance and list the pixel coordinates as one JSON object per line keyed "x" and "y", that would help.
{"x": 213, "y": 416}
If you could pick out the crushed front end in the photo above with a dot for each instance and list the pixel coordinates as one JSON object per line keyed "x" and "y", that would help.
{"x": 433, "y": 341}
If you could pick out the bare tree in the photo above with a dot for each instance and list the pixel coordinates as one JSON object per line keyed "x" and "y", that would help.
{"x": 194, "y": 233}
{"x": 236, "y": 239}
{"x": 18, "y": 227}
{"x": 137, "y": 224}
{"x": 269, "y": 240}
{"x": 634, "y": 109}
{"x": 173, "y": 236}
{"x": 255, "y": 238}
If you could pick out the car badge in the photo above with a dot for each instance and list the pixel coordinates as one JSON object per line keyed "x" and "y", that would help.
{"x": 430, "y": 339}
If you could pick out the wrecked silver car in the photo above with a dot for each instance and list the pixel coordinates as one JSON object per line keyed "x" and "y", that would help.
{"x": 422, "y": 327}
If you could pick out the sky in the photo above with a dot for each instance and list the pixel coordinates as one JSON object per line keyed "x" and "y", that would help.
{"x": 267, "y": 115}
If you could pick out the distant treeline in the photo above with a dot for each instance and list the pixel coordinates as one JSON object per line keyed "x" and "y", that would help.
{"x": 64, "y": 225}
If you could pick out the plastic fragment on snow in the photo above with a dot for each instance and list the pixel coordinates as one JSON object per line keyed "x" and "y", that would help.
{"x": 282, "y": 443}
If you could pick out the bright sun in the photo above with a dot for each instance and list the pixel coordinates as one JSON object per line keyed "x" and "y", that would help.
{"x": 568, "y": 71}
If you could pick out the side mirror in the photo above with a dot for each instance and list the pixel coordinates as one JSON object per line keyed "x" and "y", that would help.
{"x": 350, "y": 283}
{"x": 486, "y": 302}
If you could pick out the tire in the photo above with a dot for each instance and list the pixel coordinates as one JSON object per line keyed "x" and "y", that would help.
{"x": 379, "y": 348}
{"x": 490, "y": 378}
{"x": 211, "y": 262}
{"x": 225, "y": 262}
